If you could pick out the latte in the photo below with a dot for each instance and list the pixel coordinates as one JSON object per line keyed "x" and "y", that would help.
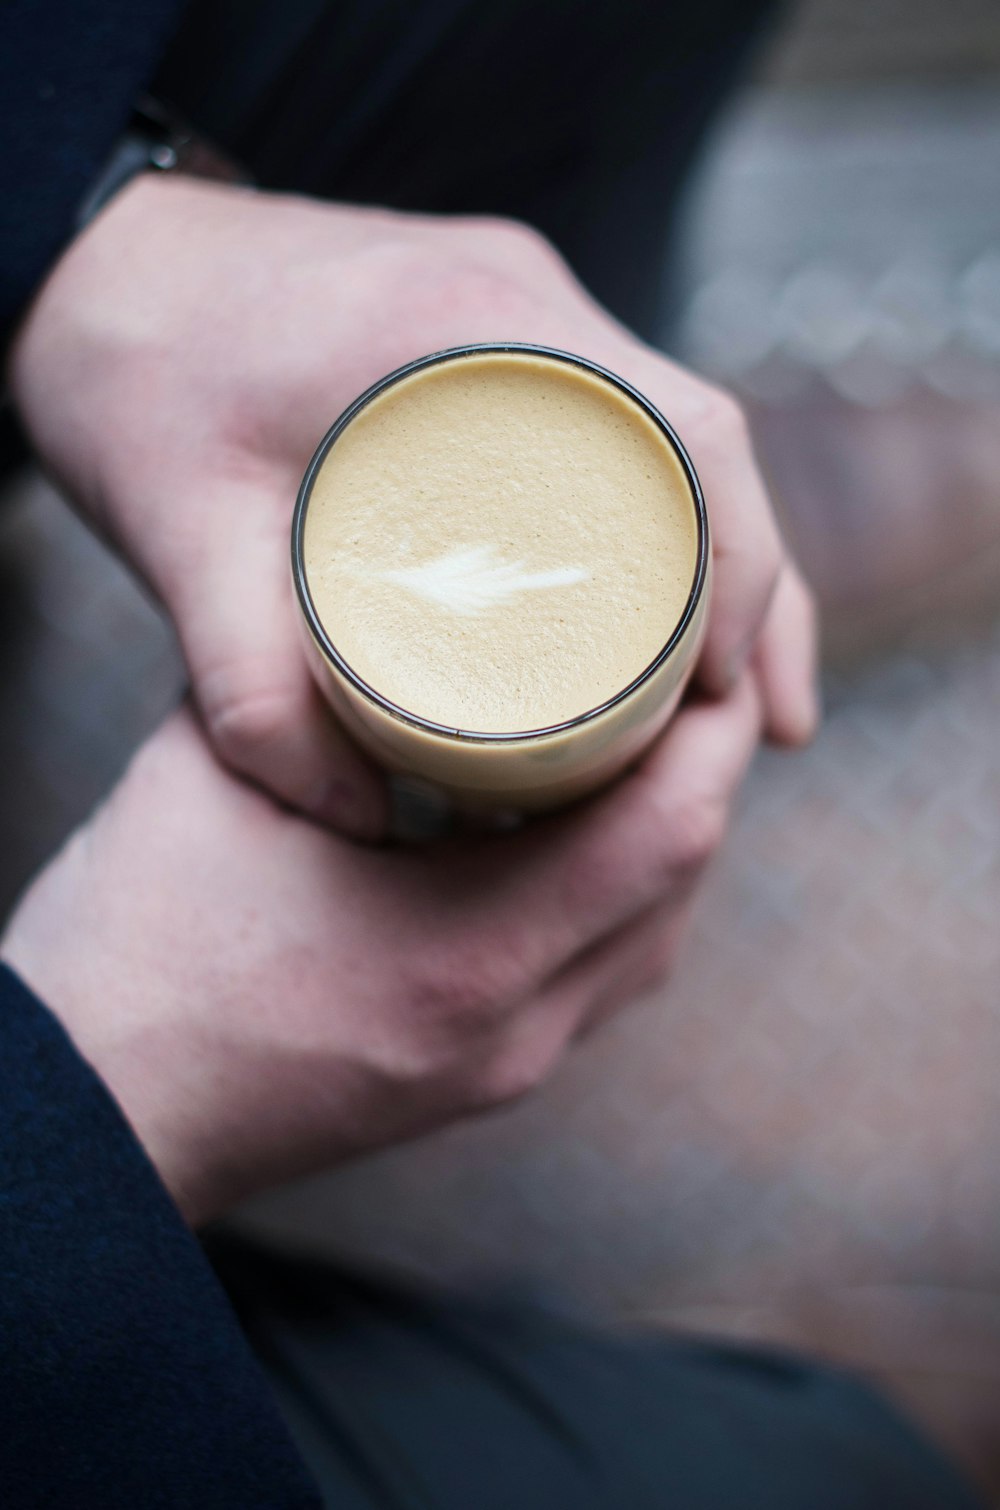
{"x": 496, "y": 543}
{"x": 500, "y": 542}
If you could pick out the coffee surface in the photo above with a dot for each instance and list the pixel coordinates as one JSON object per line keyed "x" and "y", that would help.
{"x": 500, "y": 542}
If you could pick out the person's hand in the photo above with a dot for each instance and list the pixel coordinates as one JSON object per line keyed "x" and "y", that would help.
{"x": 192, "y": 347}
{"x": 264, "y": 997}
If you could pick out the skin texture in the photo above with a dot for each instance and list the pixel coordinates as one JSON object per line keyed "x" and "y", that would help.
{"x": 193, "y": 345}
{"x": 264, "y": 996}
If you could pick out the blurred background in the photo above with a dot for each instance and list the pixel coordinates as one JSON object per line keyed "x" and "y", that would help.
{"x": 799, "y": 1137}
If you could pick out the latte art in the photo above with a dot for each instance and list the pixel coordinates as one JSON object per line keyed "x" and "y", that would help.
{"x": 473, "y": 579}
{"x": 500, "y": 542}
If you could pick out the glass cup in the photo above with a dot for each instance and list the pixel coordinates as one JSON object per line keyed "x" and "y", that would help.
{"x": 480, "y": 773}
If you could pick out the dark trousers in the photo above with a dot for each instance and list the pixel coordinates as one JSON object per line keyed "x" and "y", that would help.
{"x": 407, "y": 1401}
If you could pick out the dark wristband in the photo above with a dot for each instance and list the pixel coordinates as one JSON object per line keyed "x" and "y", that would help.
{"x": 157, "y": 142}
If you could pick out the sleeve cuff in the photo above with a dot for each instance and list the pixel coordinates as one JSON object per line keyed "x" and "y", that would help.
{"x": 126, "y": 1378}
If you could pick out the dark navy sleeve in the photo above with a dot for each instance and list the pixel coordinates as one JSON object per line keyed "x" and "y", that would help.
{"x": 69, "y": 73}
{"x": 124, "y": 1378}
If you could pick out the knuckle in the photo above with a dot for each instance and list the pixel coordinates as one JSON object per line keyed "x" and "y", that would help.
{"x": 758, "y": 559}
{"x": 463, "y": 986}
{"x": 719, "y": 421}
{"x": 729, "y": 418}
{"x": 247, "y": 722}
{"x": 474, "y": 291}
{"x": 696, "y": 830}
{"x": 517, "y": 238}
{"x": 512, "y": 1075}
{"x": 490, "y": 272}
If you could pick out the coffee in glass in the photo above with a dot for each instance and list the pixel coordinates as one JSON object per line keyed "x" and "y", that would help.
{"x": 502, "y": 556}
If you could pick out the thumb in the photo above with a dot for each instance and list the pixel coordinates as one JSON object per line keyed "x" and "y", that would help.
{"x": 266, "y": 718}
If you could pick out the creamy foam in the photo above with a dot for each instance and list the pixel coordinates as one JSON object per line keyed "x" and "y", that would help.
{"x": 500, "y": 542}
{"x": 474, "y": 580}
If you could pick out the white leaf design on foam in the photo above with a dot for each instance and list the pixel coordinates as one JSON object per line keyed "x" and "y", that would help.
{"x": 473, "y": 578}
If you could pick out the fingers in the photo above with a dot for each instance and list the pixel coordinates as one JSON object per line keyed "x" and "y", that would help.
{"x": 262, "y": 712}
{"x": 756, "y": 589}
{"x": 599, "y": 982}
{"x": 747, "y": 553}
{"x": 558, "y": 886}
{"x": 785, "y": 662}
{"x": 613, "y": 972}
{"x": 640, "y": 957}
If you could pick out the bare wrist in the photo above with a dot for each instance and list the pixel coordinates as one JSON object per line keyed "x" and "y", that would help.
{"x": 69, "y": 348}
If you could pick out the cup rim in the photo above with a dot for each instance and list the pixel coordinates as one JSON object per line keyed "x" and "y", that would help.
{"x": 405, "y": 715}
